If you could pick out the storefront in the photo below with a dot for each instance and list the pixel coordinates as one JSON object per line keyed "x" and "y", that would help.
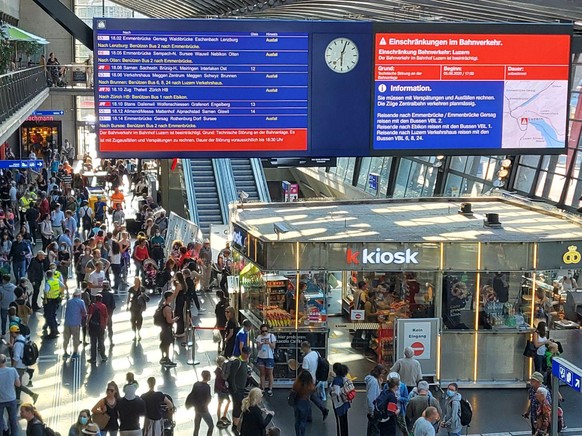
{"x": 40, "y": 134}
{"x": 473, "y": 278}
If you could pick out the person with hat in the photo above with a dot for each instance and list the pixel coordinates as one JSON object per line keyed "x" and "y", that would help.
{"x": 18, "y": 341}
{"x": 420, "y": 402}
{"x": 75, "y": 313}
{"x": 536, "y": 381}
{"x": 53, "y": 293}
{"x": 91, "y": 428}
{"x": 96, "y": 325}
{"x": 36, "y": 271}
{"x": 205, "y": 260}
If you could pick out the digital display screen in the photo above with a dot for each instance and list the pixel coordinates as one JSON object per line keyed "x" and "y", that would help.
{"x": 228, "y": 87}
{"x": 451, "y": 91}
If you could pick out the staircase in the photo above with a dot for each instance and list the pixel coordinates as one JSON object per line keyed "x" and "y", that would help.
{"x": 206, "y": 194}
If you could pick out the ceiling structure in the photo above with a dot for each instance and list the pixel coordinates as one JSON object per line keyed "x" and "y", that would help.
{"x": 368, "y": 10}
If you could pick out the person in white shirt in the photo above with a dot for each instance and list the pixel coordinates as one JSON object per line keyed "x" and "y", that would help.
{"x": 310, "y": 362}
{"x": 266, "y": 343}
{"x": 96, "y": 279}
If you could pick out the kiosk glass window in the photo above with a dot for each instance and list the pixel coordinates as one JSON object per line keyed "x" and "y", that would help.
{"x": 458, "y": 292}
{"x": 501, "y": 300}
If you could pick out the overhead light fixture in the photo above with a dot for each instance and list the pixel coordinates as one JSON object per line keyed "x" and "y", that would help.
{"x": 466, "y": 209}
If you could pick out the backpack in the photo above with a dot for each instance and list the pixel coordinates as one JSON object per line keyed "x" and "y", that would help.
{"x": 30, "y": 353}
{"x": 348, "y": 390}
{"x": 382, "y": 407}
{"x": 322, "y": 371}
{"x": 86, "y": 219}
{"x": 227, "y": 368}
{"x": 95, "y": 321}
{"x": 465, "y": 412}
{"x": 159, "y": 318}
{"x": 49, "y": 431}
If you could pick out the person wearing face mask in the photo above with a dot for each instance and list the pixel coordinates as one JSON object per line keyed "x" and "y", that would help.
{"x": 452, "y": 420}
{"x": 82, "y": 422}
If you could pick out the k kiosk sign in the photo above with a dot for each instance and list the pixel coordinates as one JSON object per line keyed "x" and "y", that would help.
{"x": 391, "y": 256}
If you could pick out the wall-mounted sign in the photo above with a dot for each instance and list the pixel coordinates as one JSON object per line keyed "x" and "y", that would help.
{"x": 378, "y": 257}
{"x": 572, "y": 256}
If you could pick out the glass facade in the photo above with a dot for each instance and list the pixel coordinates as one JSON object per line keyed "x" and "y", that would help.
{"x": 554, "y": 178}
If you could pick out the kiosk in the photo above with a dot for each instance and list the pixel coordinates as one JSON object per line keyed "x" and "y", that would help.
{"x": 480, "y": 266}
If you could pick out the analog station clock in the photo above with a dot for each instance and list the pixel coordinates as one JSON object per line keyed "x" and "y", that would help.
{"x": 342, "y": 55}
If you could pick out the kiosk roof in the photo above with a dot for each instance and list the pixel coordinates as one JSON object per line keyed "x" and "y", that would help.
{"x": 405, "y": 220}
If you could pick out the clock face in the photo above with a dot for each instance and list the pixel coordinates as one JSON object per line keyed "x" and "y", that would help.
{"x": 341, "y": 55}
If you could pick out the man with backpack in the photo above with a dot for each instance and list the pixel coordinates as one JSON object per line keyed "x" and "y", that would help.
{"x": 311, "y": 362}
{"x": 452, "y": 419}
{"x": 236, "y": 371}
{"x": 20, "y": 360}
{"x": 96, "y": 324}
{"x": 86, "y": 217}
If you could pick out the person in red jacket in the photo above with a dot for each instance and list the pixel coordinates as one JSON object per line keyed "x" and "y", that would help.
{"x": 96, "y": 324}
{"x": 44, "y": 207}
{"x": 140, "y": 254}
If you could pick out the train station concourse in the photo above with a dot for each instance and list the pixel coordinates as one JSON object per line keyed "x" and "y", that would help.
{"x": 296, "y": 217}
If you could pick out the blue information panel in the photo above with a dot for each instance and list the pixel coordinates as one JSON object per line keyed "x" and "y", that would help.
{"x": 226, "y": 88}
{"x": 567, "y": 373}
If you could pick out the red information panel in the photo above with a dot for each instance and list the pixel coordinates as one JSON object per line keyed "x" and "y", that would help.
{"x": 430, "y": 49}
{"x": 439, "y": 91}
{"x": 203, "y": 140}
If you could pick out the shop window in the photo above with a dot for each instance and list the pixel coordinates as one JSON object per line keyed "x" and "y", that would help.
{"x": 503, "y": 303}
{"x": 459, "y": 290}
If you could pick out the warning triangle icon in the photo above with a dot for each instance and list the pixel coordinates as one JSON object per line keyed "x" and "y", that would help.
{"x": 382, "y": 41}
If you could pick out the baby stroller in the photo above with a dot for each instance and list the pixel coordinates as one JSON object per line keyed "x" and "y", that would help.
{"x": 150, "y": 269}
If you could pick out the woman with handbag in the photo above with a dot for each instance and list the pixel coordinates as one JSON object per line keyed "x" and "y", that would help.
{"x": 539, "y": 339}
{"x": 105, "y": 413}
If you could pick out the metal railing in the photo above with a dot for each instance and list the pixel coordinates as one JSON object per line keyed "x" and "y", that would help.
{"x": 18, "y": 88}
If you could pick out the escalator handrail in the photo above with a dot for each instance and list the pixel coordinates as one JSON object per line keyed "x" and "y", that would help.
{"x": 260, "y": 180}
{"x": 190, "y": 191}
{"x": 224, "y": 177}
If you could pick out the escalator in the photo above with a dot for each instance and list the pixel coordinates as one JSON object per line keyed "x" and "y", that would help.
{"x": 244, "y": 178}
{"x": 206, "y": 200}
{"x": 212, "y": 184}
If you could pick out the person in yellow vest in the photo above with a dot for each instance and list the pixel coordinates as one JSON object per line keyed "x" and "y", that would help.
{"x": 53, "y": 293}
{"x": 57, "y": 275}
